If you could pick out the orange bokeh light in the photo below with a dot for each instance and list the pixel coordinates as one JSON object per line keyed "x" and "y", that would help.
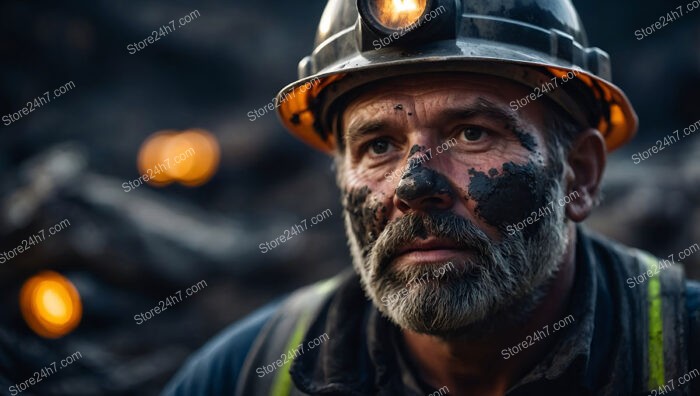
{"x": 50, "y": 304}
{"x": 190, "y": 157}
{"x": 151, "y": 155}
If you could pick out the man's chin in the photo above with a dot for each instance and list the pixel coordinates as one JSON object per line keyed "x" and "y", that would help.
{"x": 454, "y": 311}
{"x": 468, "y": 325}
{"x": 435, "y": 307}
{"x": 461, "y": 304}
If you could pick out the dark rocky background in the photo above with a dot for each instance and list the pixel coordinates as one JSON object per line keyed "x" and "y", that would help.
{"x": 126, "y": 251}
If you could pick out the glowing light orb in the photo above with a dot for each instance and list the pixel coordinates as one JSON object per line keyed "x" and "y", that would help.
{"x": 50, "y": 304}
{"x": 190, "y": 157}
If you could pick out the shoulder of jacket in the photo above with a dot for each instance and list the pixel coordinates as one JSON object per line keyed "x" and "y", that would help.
{"x": 214, "y": 368}
{"x": 692, "y": 305}
{"x": 692, "y": 292}
{"x": 266, "y": 368}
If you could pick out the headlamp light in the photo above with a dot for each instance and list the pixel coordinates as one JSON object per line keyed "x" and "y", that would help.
{"x": 404, "y": 22}
{"x": 397, "y": 14}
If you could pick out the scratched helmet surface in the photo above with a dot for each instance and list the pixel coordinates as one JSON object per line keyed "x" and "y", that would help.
{"x": 528, "y": 41}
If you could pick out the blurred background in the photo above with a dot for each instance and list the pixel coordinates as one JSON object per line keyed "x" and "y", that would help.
{"x": 115, "y": 250}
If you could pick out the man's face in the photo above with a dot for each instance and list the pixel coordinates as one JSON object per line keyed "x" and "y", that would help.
{"x": 434, "y": 170}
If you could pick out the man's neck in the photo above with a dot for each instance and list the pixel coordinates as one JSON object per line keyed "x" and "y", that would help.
{"x": 485, "y": 365}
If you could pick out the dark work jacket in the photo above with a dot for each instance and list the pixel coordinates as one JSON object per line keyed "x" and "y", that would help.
{"x": 604, "y": 351}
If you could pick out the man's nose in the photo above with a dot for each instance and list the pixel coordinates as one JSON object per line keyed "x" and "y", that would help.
{"x": 423, "y": 189}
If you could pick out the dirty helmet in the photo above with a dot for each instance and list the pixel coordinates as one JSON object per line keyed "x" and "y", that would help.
{"x": 531, "y": 42}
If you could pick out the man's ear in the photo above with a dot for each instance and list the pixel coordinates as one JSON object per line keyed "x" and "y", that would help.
{"x": 585, "y": 166}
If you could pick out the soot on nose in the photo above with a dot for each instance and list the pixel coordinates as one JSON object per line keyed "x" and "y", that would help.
{"x": 419, "y": 182}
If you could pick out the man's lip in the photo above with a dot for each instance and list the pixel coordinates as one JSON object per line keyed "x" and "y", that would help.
{"x": 427, "y": 245}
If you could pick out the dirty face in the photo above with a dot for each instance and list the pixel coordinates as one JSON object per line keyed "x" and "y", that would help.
{"x": 434, "y": 169}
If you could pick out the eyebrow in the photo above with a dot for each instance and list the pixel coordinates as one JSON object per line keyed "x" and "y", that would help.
{"x": 480, "y": 107}
{"x": 356, "y": 132}
{"x": 484, "y": 107}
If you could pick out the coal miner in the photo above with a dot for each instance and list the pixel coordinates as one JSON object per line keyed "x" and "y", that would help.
{"x": 471, "y": 273}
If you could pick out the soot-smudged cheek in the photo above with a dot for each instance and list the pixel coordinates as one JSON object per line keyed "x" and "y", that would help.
{"x": 509, "y": 197}
{"x": 526, "y": 140}
{"x": 368, "y": 217}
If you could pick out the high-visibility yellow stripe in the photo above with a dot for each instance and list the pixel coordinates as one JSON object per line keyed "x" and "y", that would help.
{"x": 282, "y": 386}
{"x": 283, "y": 381}
{"x": 657, "y": 376}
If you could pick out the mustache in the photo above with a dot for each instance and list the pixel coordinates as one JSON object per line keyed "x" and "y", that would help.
{"x": 444, "y": 225}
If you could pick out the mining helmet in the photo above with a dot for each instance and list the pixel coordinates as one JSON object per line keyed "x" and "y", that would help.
{"x": 527, "y": 41}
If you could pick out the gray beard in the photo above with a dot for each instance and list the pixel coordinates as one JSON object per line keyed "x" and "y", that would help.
{"x": 501, "y": 284}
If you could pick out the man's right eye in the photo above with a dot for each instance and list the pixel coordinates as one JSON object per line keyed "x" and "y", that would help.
{"x": 378, "y": 146}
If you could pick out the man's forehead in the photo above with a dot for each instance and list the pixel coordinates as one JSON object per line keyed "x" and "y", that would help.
{"x": 449, "y": 108}
{"x": 446, "y": 94}
{"x": 440, "y": 89}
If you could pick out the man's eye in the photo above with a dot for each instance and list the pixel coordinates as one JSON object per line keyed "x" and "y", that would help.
{"x": 473, "y": 134}
{"x": 379, "y": 146}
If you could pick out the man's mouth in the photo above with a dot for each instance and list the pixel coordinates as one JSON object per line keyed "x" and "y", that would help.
{"x": 430, "y": 250}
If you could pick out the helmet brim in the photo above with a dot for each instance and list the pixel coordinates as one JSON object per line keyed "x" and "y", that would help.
{"x": 300, "y": 104}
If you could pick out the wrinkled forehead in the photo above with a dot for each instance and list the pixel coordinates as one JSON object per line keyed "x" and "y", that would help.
{"x": 438, "y": 93}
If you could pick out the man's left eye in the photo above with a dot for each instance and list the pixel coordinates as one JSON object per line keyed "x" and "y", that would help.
{"x": 473, "y": 134}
